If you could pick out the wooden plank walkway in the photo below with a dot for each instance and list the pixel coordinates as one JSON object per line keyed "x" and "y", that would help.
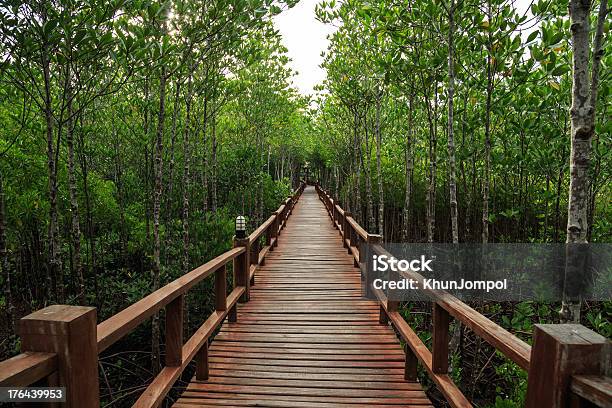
{"x": 306, "y": 338}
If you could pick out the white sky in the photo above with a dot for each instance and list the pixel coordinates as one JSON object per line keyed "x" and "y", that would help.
{"x": 306, "y": 38}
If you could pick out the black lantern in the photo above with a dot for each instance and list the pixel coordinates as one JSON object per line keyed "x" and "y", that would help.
{"x": 240, "y": 227}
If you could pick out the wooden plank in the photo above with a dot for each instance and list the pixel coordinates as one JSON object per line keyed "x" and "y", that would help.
{"x": 306, "y": 337}
{"x": 305, "y": 391}
{"x": 320, "y": 384}
{"x": 265, "y": 400}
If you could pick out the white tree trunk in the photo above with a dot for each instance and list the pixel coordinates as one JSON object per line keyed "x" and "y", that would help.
{"x": 582, "y": 113}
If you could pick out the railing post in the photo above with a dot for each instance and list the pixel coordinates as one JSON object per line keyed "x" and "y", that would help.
{"x": 254, "y": 258}
{"x": 232, "y": 315}
{"x": 334, "y": 215}
{"x": 352, "y": 237}
{"x": 346, "y": 229}
{"x": 70, "y": 332}
{"x": 274, "y": 231}
{"x": 440, "y": 339}
{"x": 241, "y": 267}
{"x": 220, "y": 289}
{"x": 174, "y": 332}
{"x": 410, "y": 364}
{"x": 202, "y": 362}
{"x": 558, "y": 352}
{"x": 365, "y": 255}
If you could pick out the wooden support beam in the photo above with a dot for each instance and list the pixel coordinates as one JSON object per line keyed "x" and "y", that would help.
{"x": 221, "y": 289}
{"x": 365, "y": 257}
{"x": 242, "y": 267}
{"x": 274, "y": 231}
{"x": 346, "y": 230}
{"x": 69, "y": 332}
{"x": 560, "y": 351}
{"x": 440, "y": 340}
{"x": 383, "y": 318}
{"x": 232, "y": 315}
{"x": 410, "y": 364}
{"x": 202, "y": 363}
{"x": 174, "y": 332}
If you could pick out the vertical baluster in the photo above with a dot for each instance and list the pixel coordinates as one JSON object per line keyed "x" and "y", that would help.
{"x": 254, "y": 258}
{"x": 366, "y": 258}
{"x": 174, "y": 332}
{"x": 221, "y": 289}
{"x": 202, "y": 362}
{"x": 241, "y": 267}
{"x": 346, "y": 229}
{"x": 274, "y": 231}
{"x": 440, "y": 339}
{"x": 410, "y": 364}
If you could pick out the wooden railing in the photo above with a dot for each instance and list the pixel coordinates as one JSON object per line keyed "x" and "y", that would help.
{"x": 60, "y": 344}
{"x": 566, "y": 363}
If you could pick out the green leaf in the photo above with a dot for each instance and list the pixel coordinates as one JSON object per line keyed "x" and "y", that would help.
{"x": 532, "y": 36}
{"x": 560, "y": 70}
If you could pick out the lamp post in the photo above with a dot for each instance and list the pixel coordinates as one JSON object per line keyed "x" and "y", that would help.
{"x": 240, "y": 227}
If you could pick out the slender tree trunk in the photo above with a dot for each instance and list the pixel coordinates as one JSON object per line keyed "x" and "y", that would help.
{"x": 486, "y": 180}
{"x": 157, "y": 196}
{"x": 4, "y": 261}
{"x": 120, "y": 193}
{"x": 175, "y": 114}
{"x": 409, "y": 167}
{"x": 55, "y": 261}
{"x": 168, "y": 201}
{"x": 357, "y": 161}
{"x": 431, "y": 186}
{"x": 147, "y": 173}
{"x": 186, "y": 177}
{"x": 205, "y": 154}
{"x": 186, "y": 190}
{"x": 381, "y": 198}
{"x": 368, "y": 175}
{"x": 74, "y": 204}
{"x": 582, "y": 113}
{"x": 89, "y": 216}
{"x": 452, "y": 178}
{"x": 213, "y": 182}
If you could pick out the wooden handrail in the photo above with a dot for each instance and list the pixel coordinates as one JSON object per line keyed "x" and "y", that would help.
{"x": 78, "y": 341}
{"x": 511, "y": 346}
{"x": 559, "y": 351}
{"x": 262, "y": 228}
{"x": 596, "y": 389}
{"x": 363, "y": 234}
{"x": 117, "y": 326}
{"x": 27, "y": 368}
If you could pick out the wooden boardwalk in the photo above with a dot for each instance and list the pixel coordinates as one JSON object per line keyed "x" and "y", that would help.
{"x": 306, "y": 338}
